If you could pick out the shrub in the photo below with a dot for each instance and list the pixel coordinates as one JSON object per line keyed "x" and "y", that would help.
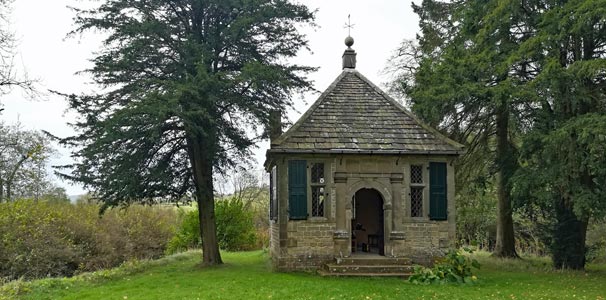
{"x": 188, "y": 233}
{"x": 235, "y": 228}
{"x": 454, "y": 267}
{"x": 47, "y": 239}
{"x": 596, "y": 242}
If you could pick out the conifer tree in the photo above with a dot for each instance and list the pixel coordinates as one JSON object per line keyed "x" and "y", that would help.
{"x": 465, "y": 84}
{"x": 524, "y": 85}
{"x": 563, "y": 156}
{"x": 188, "y": 87}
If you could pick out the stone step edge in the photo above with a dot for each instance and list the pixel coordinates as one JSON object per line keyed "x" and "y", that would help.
{"x": 368, "y": 266}
{"x": 357, "y": 261}
{"x": 401, "y": 275}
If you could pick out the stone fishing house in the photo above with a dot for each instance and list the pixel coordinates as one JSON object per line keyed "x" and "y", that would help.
{"x": 358, "y": 175}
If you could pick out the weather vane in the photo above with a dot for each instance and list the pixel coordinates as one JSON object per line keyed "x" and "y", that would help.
{"x": 348, "y": 25}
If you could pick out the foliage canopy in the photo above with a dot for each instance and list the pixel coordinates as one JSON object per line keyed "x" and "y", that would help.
{"x": 523, "y": 85}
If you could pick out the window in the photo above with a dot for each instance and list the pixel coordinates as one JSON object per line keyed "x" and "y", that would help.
{"x": 416, "y": 202}
{"x": 273, "y": 194}
{"x": 318, "y": 189}
{"x": 299, "y": 187}
{"x": 416, "y": 174}
{"x": 416, "y": 191}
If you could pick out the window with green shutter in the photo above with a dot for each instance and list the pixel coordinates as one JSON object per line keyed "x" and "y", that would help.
{"x": 297, "y": 189}
{"x": 437, "y": 191}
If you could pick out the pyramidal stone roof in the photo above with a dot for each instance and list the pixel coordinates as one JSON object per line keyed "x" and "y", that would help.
{"x": 355, "y": 116}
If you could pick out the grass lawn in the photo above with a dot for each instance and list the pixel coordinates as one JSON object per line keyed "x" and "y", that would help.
{"x": 247, "y": 275}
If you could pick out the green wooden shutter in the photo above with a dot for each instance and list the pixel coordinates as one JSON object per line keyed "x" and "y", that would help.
{"x": 297, "y": 189}
{"x": 438, "y": 203}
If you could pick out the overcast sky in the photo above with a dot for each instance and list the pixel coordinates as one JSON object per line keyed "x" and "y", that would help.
{"x": 46, "y": 54}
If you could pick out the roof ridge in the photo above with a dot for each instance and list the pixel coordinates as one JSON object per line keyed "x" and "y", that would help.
{"x": 409, "y": 113}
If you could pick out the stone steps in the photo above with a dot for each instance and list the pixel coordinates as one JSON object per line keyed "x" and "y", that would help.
{"x": 369, "y": 266}
{"x": 372, "y": 260}
{"x": 326, "y": 273}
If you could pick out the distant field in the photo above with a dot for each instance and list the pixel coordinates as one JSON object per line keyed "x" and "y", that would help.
{"x": 247, "y": 275}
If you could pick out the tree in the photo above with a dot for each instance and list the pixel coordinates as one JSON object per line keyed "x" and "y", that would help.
{"x": 9, "y": 78}
{"x": 525, "y": 77}
{"x": 188, "y": 90}
{"x": 563, "y": 153}
{"x": 466, "y": 84}
{"x": 23, "y": 158}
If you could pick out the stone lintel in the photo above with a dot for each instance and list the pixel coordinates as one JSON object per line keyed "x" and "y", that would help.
{"x": 396, "y": 235}
{"x": 396, "y": 178}
{"x": 341, "y": 235}
{"x": 340, "y": 177}
{"x": 367, "y": 175}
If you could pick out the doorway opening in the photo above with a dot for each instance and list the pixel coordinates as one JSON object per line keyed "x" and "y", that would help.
{"x": 367, "y": 225}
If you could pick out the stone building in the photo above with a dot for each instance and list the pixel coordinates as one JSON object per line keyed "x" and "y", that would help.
{"x": 359, "y": 175}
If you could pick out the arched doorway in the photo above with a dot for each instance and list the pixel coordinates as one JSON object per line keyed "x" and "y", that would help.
{"x": 368, "y": 222}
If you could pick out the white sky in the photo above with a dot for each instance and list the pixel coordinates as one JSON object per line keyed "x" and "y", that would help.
{"x": 45, "y": 53}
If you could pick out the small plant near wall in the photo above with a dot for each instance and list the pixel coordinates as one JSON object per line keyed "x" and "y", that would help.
{"x": 454, "y": 267}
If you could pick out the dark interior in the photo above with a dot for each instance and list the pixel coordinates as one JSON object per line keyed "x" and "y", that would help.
{"x": 367, "y": 224}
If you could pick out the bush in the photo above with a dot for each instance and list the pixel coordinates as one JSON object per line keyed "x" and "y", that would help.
{"x": 454, "y": 267}
{"x": 188, "y": 233}
{"x": 476, "y": 215}
{"x": 596, "y": 242}
{"x": 235, "y": 228}
{"x": 47, "y": 239}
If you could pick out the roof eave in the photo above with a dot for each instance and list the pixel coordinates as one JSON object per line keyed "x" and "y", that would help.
{"x": 371, "y": 152}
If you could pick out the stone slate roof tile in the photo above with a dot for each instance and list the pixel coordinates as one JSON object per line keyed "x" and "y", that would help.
{"x": 355, "y": 116}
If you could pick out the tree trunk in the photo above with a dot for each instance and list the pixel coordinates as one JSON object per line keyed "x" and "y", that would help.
{"x": 11, "y": 177}
{"x": 8, "y": 191}
{"x": 202, "y": 165}
{"x": 505, "y": 243}
{"x": 1, "y": 190}
{"x": 569, "y": 233}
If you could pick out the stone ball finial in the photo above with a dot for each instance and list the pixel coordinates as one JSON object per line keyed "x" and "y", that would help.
{"x": 349, "y": 41}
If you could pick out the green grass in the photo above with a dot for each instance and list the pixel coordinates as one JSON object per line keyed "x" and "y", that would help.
{"x": 247, "y": 275}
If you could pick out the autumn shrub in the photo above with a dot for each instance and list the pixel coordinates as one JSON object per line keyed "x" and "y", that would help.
{"x": 235, "y": 228}
{"x": 47, "y": 239}
{"x": 35, "y": 241}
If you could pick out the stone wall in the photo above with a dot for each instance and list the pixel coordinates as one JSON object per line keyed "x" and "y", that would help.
{"x": 274, "y": 239}
{"x": 423, "y": 241}
{"x": 309, "y": 245}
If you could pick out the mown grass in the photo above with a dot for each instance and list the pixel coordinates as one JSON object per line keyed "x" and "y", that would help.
{"x": 247, "y": 275}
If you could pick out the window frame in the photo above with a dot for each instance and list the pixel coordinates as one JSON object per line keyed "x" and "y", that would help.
{"x": 422, "y": 186}
{"x": 311, "y": 185}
